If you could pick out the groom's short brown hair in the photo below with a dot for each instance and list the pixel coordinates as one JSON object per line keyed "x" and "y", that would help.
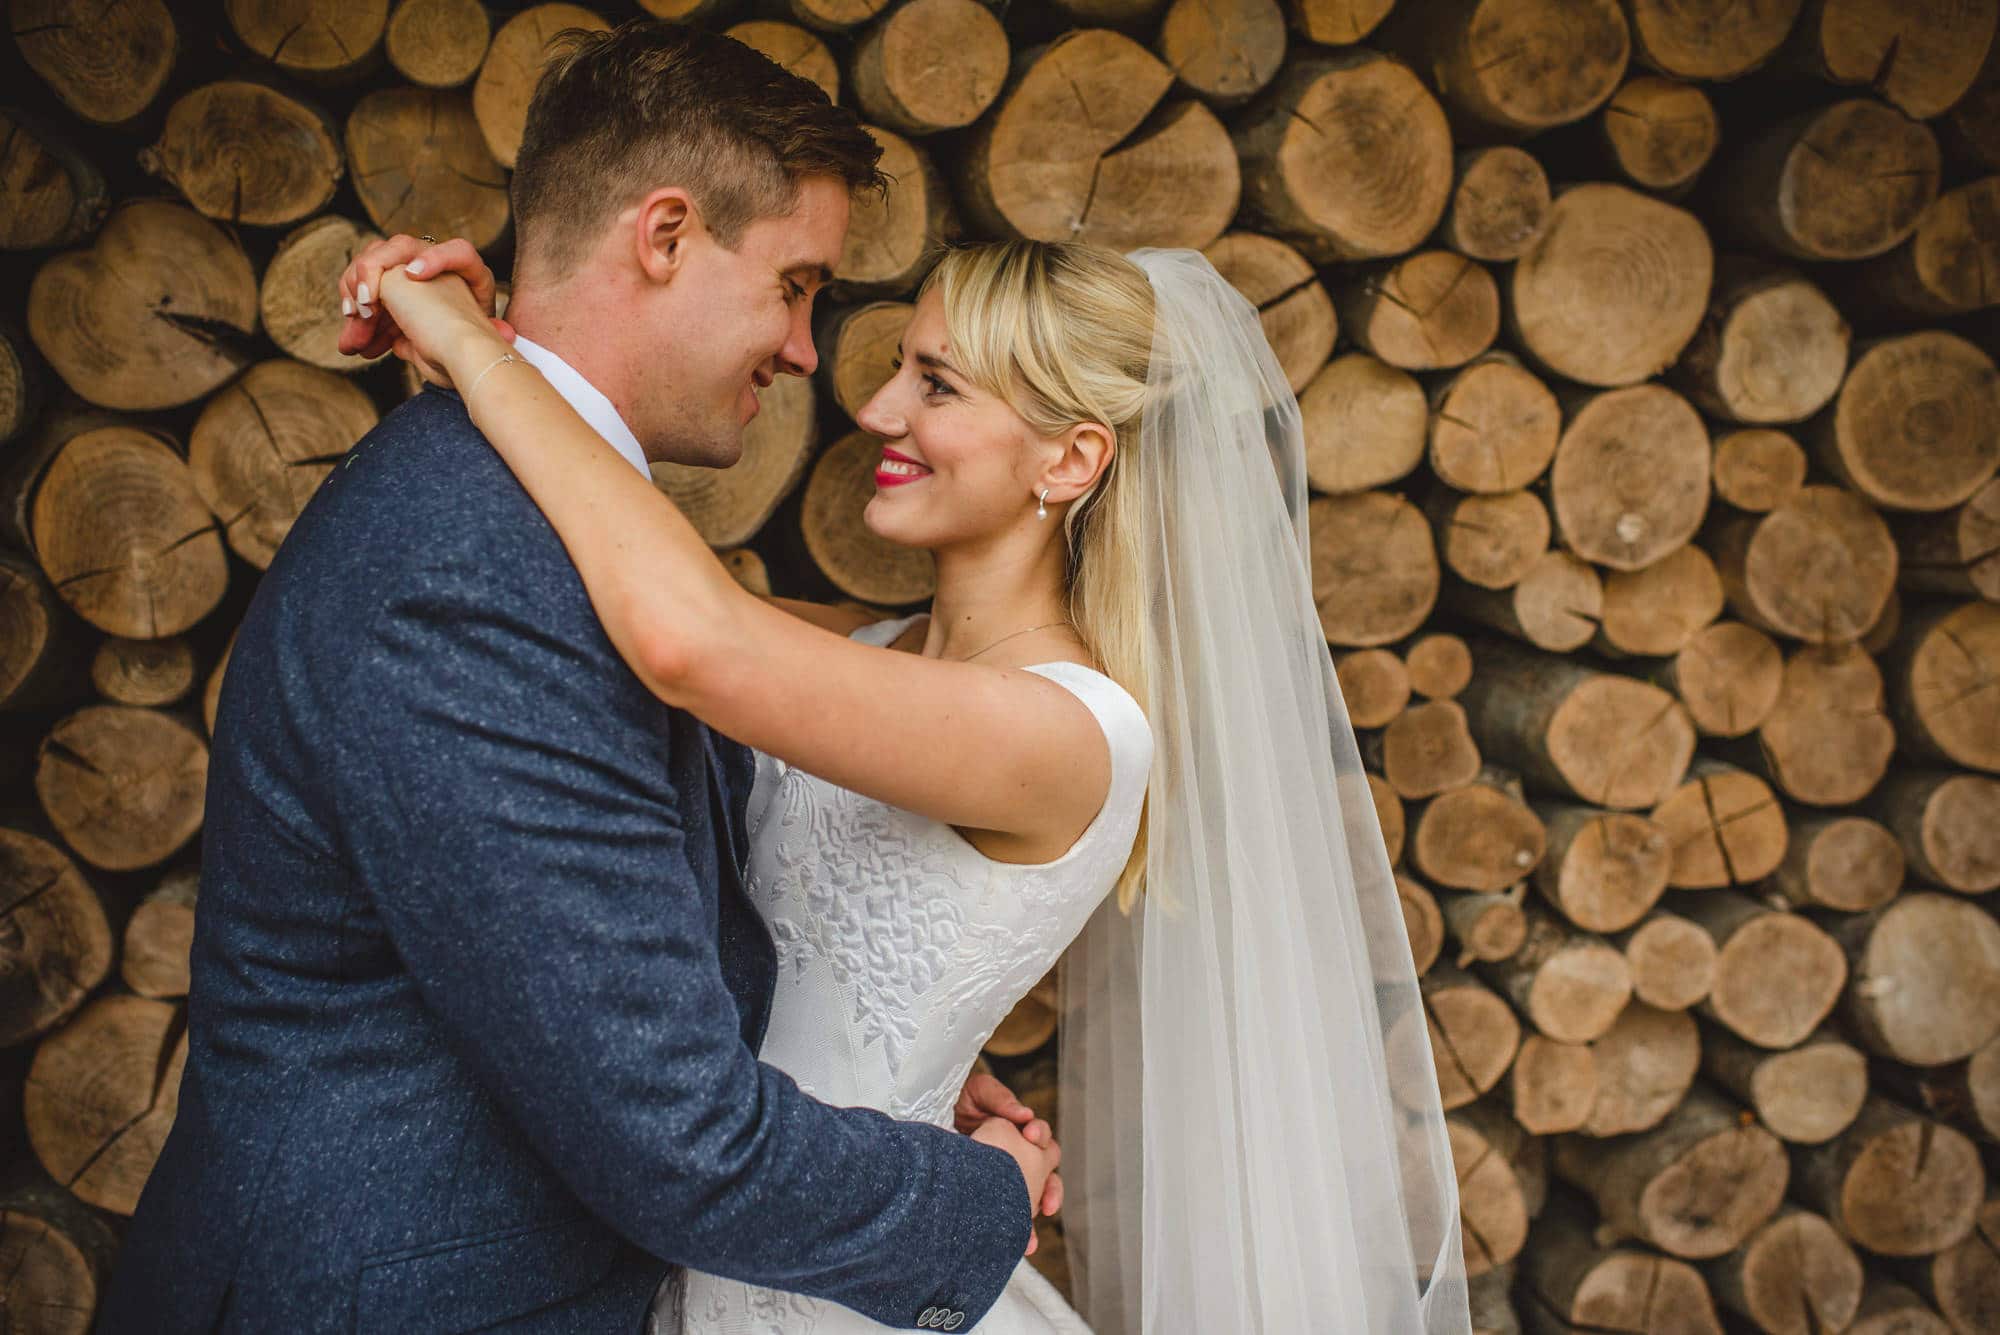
{"x": 648, "y": 104}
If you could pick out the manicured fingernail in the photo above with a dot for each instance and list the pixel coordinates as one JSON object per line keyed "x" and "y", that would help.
{"x": 361, "y": 295}
{"x": 416, "y": 266}
{"x": 367, "y": 314}
{"x": 346, "y": 306}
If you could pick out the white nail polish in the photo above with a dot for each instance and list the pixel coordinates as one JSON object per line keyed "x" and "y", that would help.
{"x": 416, "y": 266}
{"x": 346, "y": 306}
{"x": 361, "y": 295}
{"x": 367, "y": 314}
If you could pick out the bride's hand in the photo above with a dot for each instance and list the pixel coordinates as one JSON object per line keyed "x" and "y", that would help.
{"x": 443, "y": 330}
{"x": 368, "y": 330}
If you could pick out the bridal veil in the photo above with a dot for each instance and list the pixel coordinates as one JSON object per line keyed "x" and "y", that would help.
{"x": 1250, "y": 1117}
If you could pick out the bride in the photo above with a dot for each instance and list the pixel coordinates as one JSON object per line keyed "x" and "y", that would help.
{"x": 1116, "y": 740}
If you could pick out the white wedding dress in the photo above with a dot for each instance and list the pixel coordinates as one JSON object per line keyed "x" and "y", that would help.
{"x": 900, "y": 949}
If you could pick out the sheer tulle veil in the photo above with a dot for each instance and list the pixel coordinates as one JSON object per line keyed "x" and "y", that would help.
{"x": 1249, "y": 1113}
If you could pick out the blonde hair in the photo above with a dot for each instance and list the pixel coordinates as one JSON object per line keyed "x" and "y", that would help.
{"x": 1063, "y": 332}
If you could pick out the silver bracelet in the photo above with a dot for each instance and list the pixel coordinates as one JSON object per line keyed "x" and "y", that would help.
{"x": 503, "y": 357}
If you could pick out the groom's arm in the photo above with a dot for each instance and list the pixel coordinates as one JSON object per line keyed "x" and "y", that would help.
{"x": 524, "y": 849}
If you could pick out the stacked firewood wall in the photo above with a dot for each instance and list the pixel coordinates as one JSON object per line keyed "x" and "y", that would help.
{"x": 1647, "y": 359}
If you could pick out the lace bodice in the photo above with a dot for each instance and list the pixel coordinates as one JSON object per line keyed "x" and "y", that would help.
{"x": 901, "y": 948}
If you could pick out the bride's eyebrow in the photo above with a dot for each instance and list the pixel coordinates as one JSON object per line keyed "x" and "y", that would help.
{"x": 931, "y": 361}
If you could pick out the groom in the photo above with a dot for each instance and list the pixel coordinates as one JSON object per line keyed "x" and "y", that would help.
{"x": 477, "y": 988}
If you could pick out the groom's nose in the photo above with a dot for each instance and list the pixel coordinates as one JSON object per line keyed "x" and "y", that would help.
{"x": 799, "y": 357}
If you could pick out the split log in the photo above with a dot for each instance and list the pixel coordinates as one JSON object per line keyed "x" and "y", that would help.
{"x": 1729, "y": 677}
{"x": 893, "y": 238}
{"x": 1890, "y": 1309}
{"x": 1757, "y": 469}
{"x": 1965, "y": 1094}
{"x": 1494, "y": 426}
{"x": 858, "y": 349}
{"x": 241, "y": 152}
{"x": 1922, "y": 58}
{"x": 58, "y": 942}
{"x": 1658, "y": 609}
{"x": 1515, "y": 67}
{"x": 1389, "y": 815}
{"x": 1841, "y": 182}
{"x": 148, "y": 673}
{"x": 1496, "y": 541}
{"x": 1440, "y": 665}
{"x": 1374, "y": 685}
{"x": 123, "y": 786}
{"x": 804, "y": 54}
{"x": 159, "y": 936}
{"x": 1659, "y": 132}
{"x": 681, "y": 11}
{"x": 1479, "y": 836}
{"x": 1422, "y": 923}
{"x": 1838, "y": 861}
{"x": 1671, "y": 959}
{"x": 1805, "y": 1095}
{"x": 1608, "y": 739}
{"x": 1486, "y": 926}
{"x": 57, "y": 1257}
{"x": 1647, "y": 266}
{"x": 1116, "y": 167}
{"x": 1604, "y": 869}
{"x": 1580, "y": 1284}
{"x": 1949, "y": 266}
{"x": 1828, "y": 739}
{"x": 1925, "y": 986}
{"x": 1695, "y": 1186}
{"x": 514, "y": 62}
{"x": 1375, "y": 573}
{"x": 1364, "y": 423}
{"x": 1423, "y": 312}
{"x": 107, "y": 65}
{"x": 727, "y": 506}
{"x": 1944, "y": 685}
{"x": 1029, "y": 1025}
{"x": 123, "y": 535}
{"x": 829, "y": 15}
{"x": 1473, "y": 1034}
{"x": 262, "y": 447}
{"x": 1225, "y": 53}
{"x": 1710, "y": 43}
{"x": 1963, "y": 1280}
{"x": 1499, "y": 203}
{"x": 1427, "y": 749}
{"x": 1777, "y": 974}
{"x": 324, "y": 41}
{"x": 1793, "y": 1276}
{"x": 1645, "y": 1064}
{"x": 21, "y": 378}
{"x": 858, "y": 562}
{"x": 43, "y": 647}
{"x": 1955, "y": 552}
{"x": 1915, "y": 427}
{"x": 102, "y": 1094}
{"x": 1772, "y": 348}
{"x": 1948, "y": 825}
{"x": 438, "y": 43}
{"x": 1630, "y": 480}
{"x": 1818, "y": 567}
{"x": 1348, "y": 157}
{"x": 1895, "y": 1183}
{"x": 1501, "y": 1179}
{"x": 1725, "y": 827}
{"x": 1551, "y": 1086}
{"x": 1554, "y": 605}
{"x": 55, "y": 196}
{"x": 422, "y": 167}
{"x": 1570, "y": 985}
{"x": 293, "y": 300}
{"x": 154, "y": 315}
{"x": 1337, "y": 22}
{"x": 1292, "y": 304}
{"x": 931, "y": 65}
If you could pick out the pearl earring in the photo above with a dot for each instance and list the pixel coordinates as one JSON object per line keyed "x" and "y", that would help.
{"x": 1042, "y": 506}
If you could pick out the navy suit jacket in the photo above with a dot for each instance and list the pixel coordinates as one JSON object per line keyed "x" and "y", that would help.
{"x": 476, "y": 989}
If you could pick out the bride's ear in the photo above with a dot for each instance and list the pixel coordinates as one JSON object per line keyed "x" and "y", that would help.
{"x": 1088, "y": 449}
{"x": 667, "y": 220}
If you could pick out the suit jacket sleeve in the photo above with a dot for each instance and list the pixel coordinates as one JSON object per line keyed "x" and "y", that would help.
{"x": 525, "y": 850}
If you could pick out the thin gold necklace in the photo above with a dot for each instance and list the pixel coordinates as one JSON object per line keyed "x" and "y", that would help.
{"x": 1015, "y": 636}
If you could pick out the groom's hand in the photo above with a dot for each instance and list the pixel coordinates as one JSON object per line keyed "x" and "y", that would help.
{"x": 983, "y": 1097}
{"x": 1037, "y": 1160}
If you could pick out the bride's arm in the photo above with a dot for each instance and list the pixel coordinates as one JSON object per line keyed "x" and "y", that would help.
{"x": 974, "y": 746}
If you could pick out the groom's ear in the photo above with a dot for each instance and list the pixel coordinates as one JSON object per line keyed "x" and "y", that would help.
{"x": 667, "y": 221}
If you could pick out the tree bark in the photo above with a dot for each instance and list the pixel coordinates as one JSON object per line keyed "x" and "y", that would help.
{"x": 1578, "y": 1283}
{"x": 1840, "y": 182}
{"x": 1554, "y": 604}
{"x": 1948, "y": 825}
{"x": 1956, "y": 552}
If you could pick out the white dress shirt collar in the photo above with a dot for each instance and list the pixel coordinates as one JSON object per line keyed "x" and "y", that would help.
{"x": 589, "y": 402}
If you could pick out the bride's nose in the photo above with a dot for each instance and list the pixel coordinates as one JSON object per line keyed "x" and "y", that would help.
{"x": 878, "y": 418}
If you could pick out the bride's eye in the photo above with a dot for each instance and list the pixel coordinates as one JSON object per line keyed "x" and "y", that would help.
{"x": 938, "y": 386}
